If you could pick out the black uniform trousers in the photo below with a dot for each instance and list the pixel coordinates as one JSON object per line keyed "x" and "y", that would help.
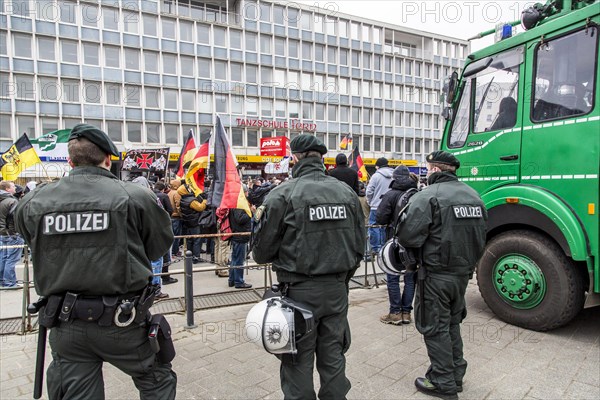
{"x": 79, "y": 348}
{"x": 327, "y": 298}
{"x": 445, "y": 309}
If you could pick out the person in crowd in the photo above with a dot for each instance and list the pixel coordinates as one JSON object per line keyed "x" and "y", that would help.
{"x": 312, "y": 231}
{"x": 102, "y": 262}
{"x": 362, "y": 197}
{"x": 259, "y": 191}
{"x": 387, "y": 214}
{"x": 161, "y": 191}
{"x": 9, "y": 257}
{"x": 176, "y": 221}
{"x": 344, "y": 173}
{"x": 379, "y": 184}
{"x": 240, "y": 222}
{"x": 191, "y": 206}
{"x": 157, "y": 265}
{"x": 447, "y": 222}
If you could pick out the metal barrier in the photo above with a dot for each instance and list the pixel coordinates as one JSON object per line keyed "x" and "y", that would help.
{"x": 188, "y": 272}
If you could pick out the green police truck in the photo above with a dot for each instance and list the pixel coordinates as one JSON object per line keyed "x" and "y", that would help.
{"x": 524, "y": 120}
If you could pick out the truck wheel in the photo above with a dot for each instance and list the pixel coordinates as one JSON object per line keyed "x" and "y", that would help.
{"x": 526, "y": 280}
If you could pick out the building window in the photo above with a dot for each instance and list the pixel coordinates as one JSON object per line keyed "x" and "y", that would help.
{"x": 251, "y": 39}
{"x": 235, "y": 39}
{"x": 186, "y": 31}
{"x": 92, "y": 92}
{"x": 204, "y": 68}
{"x": 319, "y": 53}
{"x": 221, "y": 70}
{"x": 26, "y": 125}
{"x": 294, "y": 109}
{"x": 171, "y": 99}
{"x": 90, "y": 53}
{"x": 237, "y": 137}
{"x": 320, "y": 112}
{"x": 417, "y": 146}
{"x": 150, "y": 24}
{"x": 134, "y": 132}
{"x": 388, "y": 144}
{"x": 168, "y": 28}
{"x": 279, "y": 47}
{"x": 307, "y": 111}
{"x": 252, "y": 106}
{"x": 203, "y": 33}
{"x": 48, "y": 89}
{"x": 89, "y": 15}
{"x": 113, "y": 94}
{"x": 265, "y": 44}
{"x": 188, "y": 101}
{"x": 132, "y": 59}
{"x": 332, "y": 113}
{"x": 152, "y": 97}
{"x": 252, "y": 138}
{"x": 112, "y": 57}
{"x": 266, "y": 107}
{"x": 366, "y": 116}
{"x": 68, "y": 11}
{"x": 153, "y": 132}
{"x": 251, "y": 74}
{"x": 110, "y": 17}
{"x": 237, "y": 105}
{"x": 131, "y": 21}
{"x": 293, "y": 48}
{"x": 408, "y": 145}
{"x": 221, "y": 103}
{"x": 398, "y": 146}
{"x": 367, "y": 143}
{"x": 25, "y": 88}
{"x": 169, "y": 63}
{"x": 46, "y": 48}
{"x": 22, "y": 45}
{"x": 70, "y": 91}
{"x": 132, "y": 96}
{"x": 280, "y": 108}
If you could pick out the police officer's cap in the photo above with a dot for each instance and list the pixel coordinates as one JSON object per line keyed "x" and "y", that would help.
{"x": 304, "y": 143}
{"x": 96, "y": 136}
{"x": 443, "y": 157}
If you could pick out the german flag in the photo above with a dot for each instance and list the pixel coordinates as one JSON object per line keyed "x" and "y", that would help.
{"x": 227, "y": 191}
{"x": 356, "y": 163}
{"x": 18, "y": 158}
{"x": 187, "y": 153}
{"x": 194, "y": 177}
{"x": 346, "y": 142}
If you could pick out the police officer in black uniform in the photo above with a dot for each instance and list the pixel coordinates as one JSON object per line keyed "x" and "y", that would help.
{"x": 313, "y": 233}
{"x": 447, "y": 222}
{"x": 93, "y": 237}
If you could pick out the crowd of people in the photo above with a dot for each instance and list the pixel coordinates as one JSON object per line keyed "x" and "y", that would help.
{"x": 310, "y": 227}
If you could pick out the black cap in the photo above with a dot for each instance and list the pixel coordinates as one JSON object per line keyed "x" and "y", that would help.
{"x": 381, "y": 162}
{"x": 443, "y": 157}
{"x": 341, "y": 159}
{"x": 304, "y": 143}
{"x": 96, "y": 136}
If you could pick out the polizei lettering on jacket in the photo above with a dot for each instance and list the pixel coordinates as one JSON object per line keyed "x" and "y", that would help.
{"x": 467, "y": 211}
{"x": 326, "y": 212}
{"x": 75, "y": 222}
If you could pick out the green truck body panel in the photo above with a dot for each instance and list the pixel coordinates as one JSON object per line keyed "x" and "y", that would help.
{"x": 549, "y": 164}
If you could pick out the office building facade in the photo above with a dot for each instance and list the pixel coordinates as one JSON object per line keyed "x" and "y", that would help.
{"x": 148, "y": 71}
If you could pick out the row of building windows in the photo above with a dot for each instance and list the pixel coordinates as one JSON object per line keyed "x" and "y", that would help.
{"x": 127, "y": 19}
{"x": 89, "y": 53}
{"x": 22, "y": 87}
{"x": 152, "y": 133}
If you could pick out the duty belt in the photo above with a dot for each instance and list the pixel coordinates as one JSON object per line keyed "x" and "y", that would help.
{"x": 122, "y": 310}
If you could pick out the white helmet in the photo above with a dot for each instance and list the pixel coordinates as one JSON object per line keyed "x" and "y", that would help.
{"x": 394, "y": 258}
{"x": 272, "y": 325}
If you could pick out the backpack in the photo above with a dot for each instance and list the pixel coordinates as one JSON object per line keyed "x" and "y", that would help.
{"x": 207, "y": 221}
{"x": 401, "y": 206}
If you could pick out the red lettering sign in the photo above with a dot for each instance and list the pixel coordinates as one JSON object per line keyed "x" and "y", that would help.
{"x": 274, "y": 146}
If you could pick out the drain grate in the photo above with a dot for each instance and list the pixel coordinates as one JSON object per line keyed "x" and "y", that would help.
{"x": 226, "y": 299}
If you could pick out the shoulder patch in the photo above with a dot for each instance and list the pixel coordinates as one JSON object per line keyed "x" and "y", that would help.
{"x": 462, "y": 212}
{"x": 327, "y": 212}
{"x": 75, "y": 222}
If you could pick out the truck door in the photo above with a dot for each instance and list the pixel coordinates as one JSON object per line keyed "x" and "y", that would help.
{"x": 486, "y": 132}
